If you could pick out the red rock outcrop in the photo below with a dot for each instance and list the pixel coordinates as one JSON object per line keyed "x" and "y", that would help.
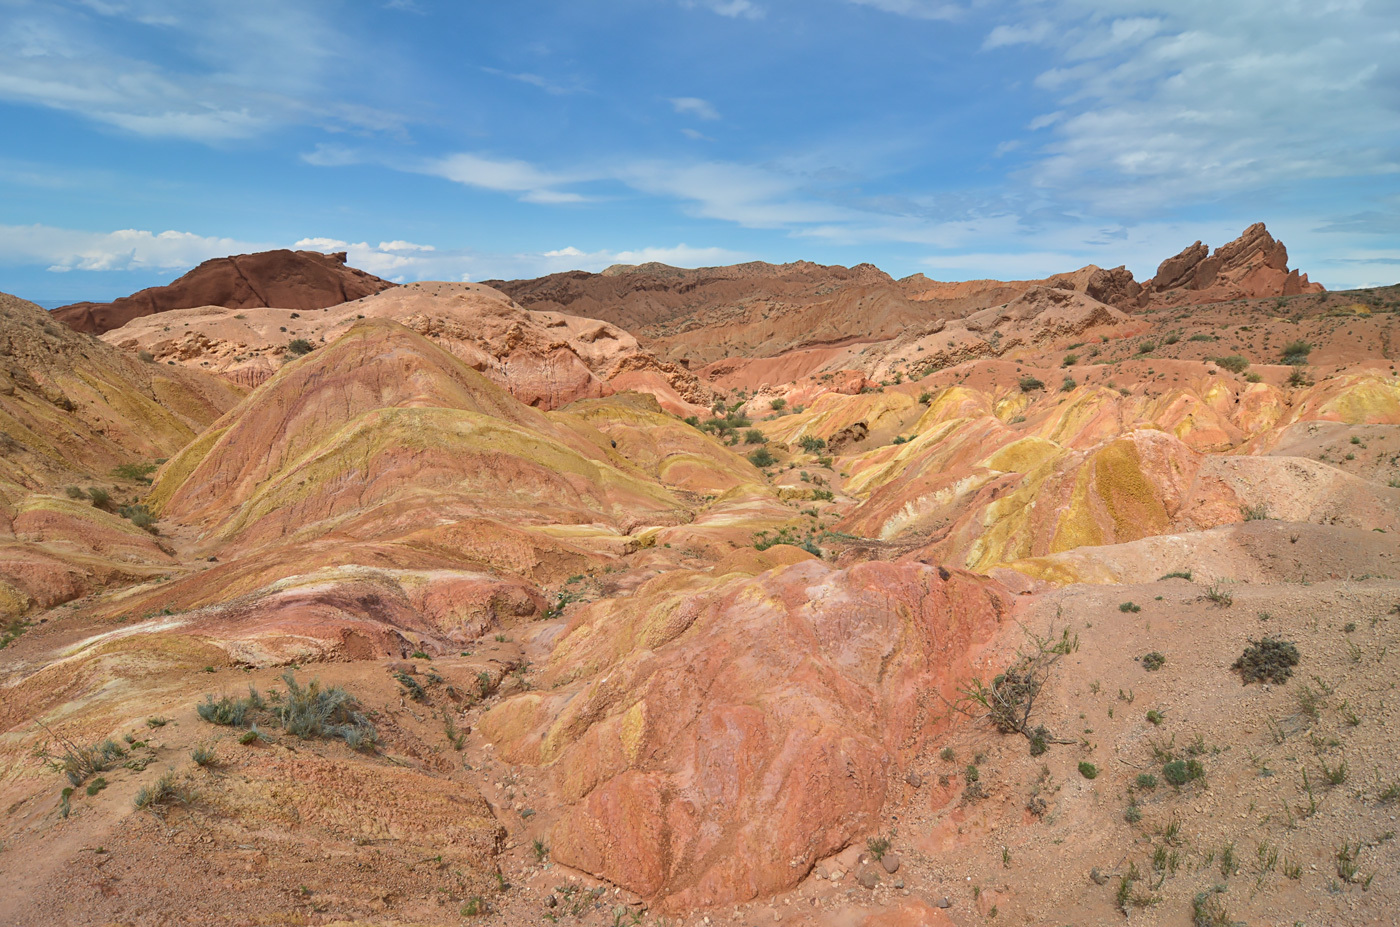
{"x": 1253, "y": 265}
{"x": 726, "y": 735}
{"x": 299, "y": 280}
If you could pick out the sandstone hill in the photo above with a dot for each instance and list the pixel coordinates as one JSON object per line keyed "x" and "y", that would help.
{"x": 923, "y": 617}
{"x": 285, "y": 279}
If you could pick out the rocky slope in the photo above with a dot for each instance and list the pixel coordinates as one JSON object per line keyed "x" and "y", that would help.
{"x": 544, "y": 359}
{"x": 284, "y": 279}
{"x": 935, "y": 627}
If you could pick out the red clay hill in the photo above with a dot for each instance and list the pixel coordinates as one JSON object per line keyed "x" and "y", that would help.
{"x": 283, "y": 279}
{"x": 763, "y": 310}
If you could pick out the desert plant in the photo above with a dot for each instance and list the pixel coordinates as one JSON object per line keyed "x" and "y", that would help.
{"x": 204, "y": 755}
{"x": 1181, "y": 772}
{"x": 877, "y": 847}
{"x": 1153, "y": 661}
{"x": 1146, "y": 781}
{"x": 100, "y": 497}
{"x": 1029, "y": 384}
{"x": 1296, "y": 352}
{"x": 1126, "y": 607}
{"x": 299, "y": 346}
{"x": 1217, "y": 594}
{"x": 1259, "y": 512}
{"x": 754, "y": 436}
{"x": 1207, "y": 910}
{"x": 811, "y": 443}
{"x": 80, "y": 762}
{"x": 1178, "y": 574}
{"x": 1068, "y": 384}
{"x": 1267, "y": 660}
{"x": 1234, "y": 363}
{"x": 164, "y": 791}
{"x": 1088, "y": 770}
{"x": 762, "y": 458}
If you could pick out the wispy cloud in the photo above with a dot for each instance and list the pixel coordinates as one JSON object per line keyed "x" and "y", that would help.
{"x": 235, "y": 75}
{"x": 694, "y": 106}
{"x": 536, "y": 80}
{"x": 917, "y": 9}
{"x": 1204, "y": 101}
{"x": 521, "y": 178}
{"x": 735, "y": 9}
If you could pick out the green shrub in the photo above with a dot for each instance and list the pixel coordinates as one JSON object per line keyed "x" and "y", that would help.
{"x": 80, "y": 762}
{"x": 762, "y": 458}
{"x": 1068, "y": 384}
{"x": 1267, "y": 660}
{"x": 777, "y": 405}
{"x": 1153, "y": 661}
{"x": 1146, "y": 781}
{"x": 811, "y": 443}
{"x": 1088, "y": 770}
{"x": 299, "y": 346}
{"x": 823, "y": 495}
{"x": 1029, "y": 384}
{"x": 754, "y": 436}
{"x": 1296, "y": 352}
{"x": 1180, "y": 772}
{"x": 130, "y": 471}
{"x": 1126, "y": 607}
{"x": 204, "y": 755}
{"x": 1234, "y": 363}
{"x": 100, "y": 497}
{"x": 164, "y": 791}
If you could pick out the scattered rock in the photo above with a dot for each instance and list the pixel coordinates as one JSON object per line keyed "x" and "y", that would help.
{"x": 891, "y": 862}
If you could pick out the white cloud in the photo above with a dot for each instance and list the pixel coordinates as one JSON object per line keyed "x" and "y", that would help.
{"x": 732, "y": 8}
{"x": 694, "y": 106}
{"x": 696, "y": 135}
{"x": 320, "y": 244}
{"x": 235, "y": 75}
{"x": 504, "y": 176}
{"x": 536, "y": 80}
{"x": 917, "y": 9}
{"x": 403, "y": 246}
{"x": 1159, "y": 107}
{"x": 1018, "y": 34}
{"x": 62, "y": 249}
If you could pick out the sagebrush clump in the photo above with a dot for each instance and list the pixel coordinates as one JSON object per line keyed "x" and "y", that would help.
{"x": 304, "y": 711}
{"x": 1267, "y": 660}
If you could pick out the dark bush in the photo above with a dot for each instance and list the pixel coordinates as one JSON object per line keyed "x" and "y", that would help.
{"x": 1267, "y": 660}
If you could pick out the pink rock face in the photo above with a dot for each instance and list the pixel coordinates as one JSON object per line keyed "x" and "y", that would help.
{"x": 726, "y": 738}
{"x": 1253, "y": 265}
{"x": 285, "y": 279}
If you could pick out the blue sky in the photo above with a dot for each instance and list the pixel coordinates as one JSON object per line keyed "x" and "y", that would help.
{"x": 476, "y": 139}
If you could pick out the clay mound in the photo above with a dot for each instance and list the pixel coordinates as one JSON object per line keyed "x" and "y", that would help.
{"x": 286, "y": 279}
{"x": 1253, "y": 265}
{"x": 710, "y": 740}
{"x": 376, "y": 420}
{"x": 544, "y": 359}
{"x": 73, "y": 408}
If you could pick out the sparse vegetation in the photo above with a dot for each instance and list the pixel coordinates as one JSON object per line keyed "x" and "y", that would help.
{"x": 1153, "y": 661}
{"x": 80, "y": 762}
{"x": 166, "y": 790}
{"x": 1129, "y": 607}
{"x": 762, "y": 458}
{"x": 1267, "y": 660}
{"x": 1029, "y": 384}
{"x": 299, "y": 346}
{"x": 1233, "y": 363}
{"x": 306, "y": 712}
